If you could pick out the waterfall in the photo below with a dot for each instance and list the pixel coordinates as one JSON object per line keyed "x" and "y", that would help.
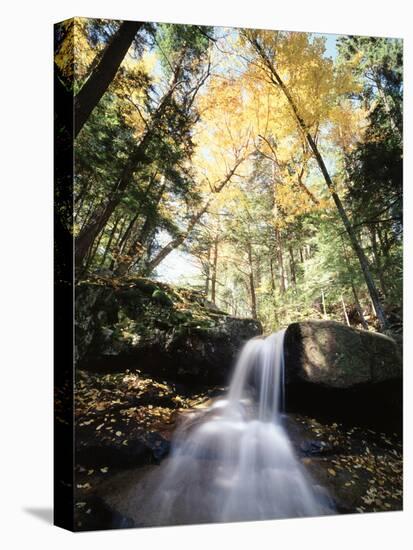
{"x": 235, "y": 462}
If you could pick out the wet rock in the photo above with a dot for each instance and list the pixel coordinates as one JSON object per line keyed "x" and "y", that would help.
{"x": 359, "y": 470}
{"x": 315, "y": 447}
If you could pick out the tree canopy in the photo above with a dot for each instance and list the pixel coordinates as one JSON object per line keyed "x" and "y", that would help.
{"x": 274, "y": 167}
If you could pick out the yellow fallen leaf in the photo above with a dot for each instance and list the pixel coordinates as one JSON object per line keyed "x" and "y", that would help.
{"x": 331, "y": 472}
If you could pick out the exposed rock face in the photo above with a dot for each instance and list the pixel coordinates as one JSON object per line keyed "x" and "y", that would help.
{"x": 156, "y": 328}
{"x": 334, "y": 355}
{"x": 343, "y": 372}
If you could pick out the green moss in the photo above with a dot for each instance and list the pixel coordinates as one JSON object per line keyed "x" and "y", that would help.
{"x": 162, "y": 298}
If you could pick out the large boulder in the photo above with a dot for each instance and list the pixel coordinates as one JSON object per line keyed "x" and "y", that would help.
{"x": 334, "y": 355}
{"x": 166, "y": 331}
{"x": 343, "y": 372}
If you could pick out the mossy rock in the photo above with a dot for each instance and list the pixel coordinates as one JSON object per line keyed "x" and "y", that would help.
{"x": 157, "y": 328}
{"x": 334, "y": 355}
{"x": 162, "y": 298}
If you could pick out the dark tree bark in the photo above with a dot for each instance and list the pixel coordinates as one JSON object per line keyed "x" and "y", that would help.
{"x": 377, "y": 260}
{"x": 109, "y": 243}
{"x": 323, "y": 303}
{"x": 134, "y": 252}
{"x": 138, "y": 157}
{"x": 88, "y": 214}
{"x": 103, "y": 74}
{"x": 124, "y": 238}
{"x": 131, "y": 226}
{"x": 116, "y": 246}
{"x": 92, "y": 254}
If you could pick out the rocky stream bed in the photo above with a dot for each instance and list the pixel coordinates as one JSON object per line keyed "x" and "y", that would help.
{"x": 148, "y": 355}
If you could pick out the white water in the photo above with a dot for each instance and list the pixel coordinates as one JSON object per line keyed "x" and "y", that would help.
{"x": 236, "y": 462}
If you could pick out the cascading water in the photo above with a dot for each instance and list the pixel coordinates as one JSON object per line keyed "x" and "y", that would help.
{"x": 236, "y": 462}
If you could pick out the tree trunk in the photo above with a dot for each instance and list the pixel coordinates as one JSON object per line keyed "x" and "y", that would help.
{"x": 103, "y": 74}
{"x": 131, "y": 225}
{"x": 207, "y": 272}
{"x": 136, "y": 247}
{"x": 377, "y": 260}
{"x": 116, "y": 245}
{"x": 272, "y": 275}
{"x": 280, "y": 261}
{"x": 384, "y": 249}
{"x": 109, "y": 243}
{"x": 252, "y": 284}
{"x": 359, "y": 308}
{"x": 102, "y": 214}
{"x": 214, "y": 269}
{"x": 345, "y": 311}
{"x": 86, "y": 218}
{"x": 276, "y": 79}
{"x": 124, "y": 239}
{"x": 180, "y": 239}
{"x": 92, "y": 254}
{"x": 323, "y": 302}
{"x": 292, "y": 266}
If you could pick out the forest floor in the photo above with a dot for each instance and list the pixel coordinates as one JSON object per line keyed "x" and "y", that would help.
{"x": 124, "y": 426}
{"x": 123, "y": 420}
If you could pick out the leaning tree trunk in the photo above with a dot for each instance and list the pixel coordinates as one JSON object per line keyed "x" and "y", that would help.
{"x": 109, "y": 243}
{"x": 353, "y": 239}
{"x": 276, "y": 79}
{"x": 345, "y": 311}
{"x": 135, "y": 248}
{"x": 101, "y": 216}
{"x": 181, "y": 238}
{"x": 97, "y": 83}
